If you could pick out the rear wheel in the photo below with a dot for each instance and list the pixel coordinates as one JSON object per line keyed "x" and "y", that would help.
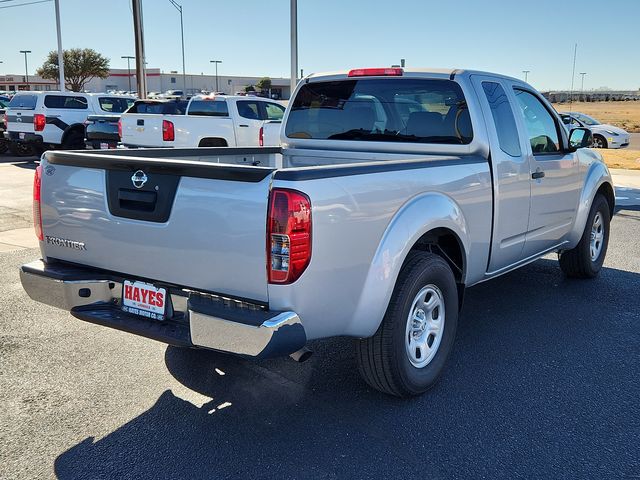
{"x": 599, "y": 141}
{"x": 408, "y": 352}
{"x": 21, "y": 149}
{"x": 74, "y": 141}
{"x": 586, "y": 259}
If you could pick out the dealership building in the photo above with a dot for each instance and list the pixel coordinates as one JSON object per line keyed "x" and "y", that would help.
{"x": 157, "y": 81}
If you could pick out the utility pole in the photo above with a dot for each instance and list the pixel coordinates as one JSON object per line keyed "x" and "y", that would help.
{"x": 60, "y": 51}
{"x": 526, "y": 74}
{"x": 129, "y": 58}
{"x": 138, "y": 32}
{"x": 26, "y": 68}
{"x": 216, "y": 62}
{"x": 184, "y": 75}
{"x": 294, "y": 45}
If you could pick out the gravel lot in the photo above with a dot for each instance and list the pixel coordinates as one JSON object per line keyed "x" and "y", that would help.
{"x": 543, "y": 383}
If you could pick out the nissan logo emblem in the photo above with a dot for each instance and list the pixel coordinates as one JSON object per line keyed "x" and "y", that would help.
{"x": 139, "y": 179}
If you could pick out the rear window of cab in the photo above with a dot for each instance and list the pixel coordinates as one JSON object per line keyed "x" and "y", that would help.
{"x": 381, "y": 110}
{"x": 115, "y": 104}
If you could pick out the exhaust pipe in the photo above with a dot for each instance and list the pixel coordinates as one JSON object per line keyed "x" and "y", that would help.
{"x": 302, "y": 355}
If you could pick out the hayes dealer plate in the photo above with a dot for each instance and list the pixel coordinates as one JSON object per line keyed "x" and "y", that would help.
{"x": 144, "y": 299}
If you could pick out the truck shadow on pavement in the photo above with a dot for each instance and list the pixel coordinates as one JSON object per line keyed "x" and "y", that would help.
{"x": 533, "y": 385}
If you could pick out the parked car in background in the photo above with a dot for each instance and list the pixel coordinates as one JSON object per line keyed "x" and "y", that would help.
{"x": 604, "y": 135}
{"x": 210, "y": 121}
{"x": 4, "y": 144}
{"x": 374, "y": 226}
{"x": 173, "y": 94}
{"x": 101, "y": 130}
{"x": 47, "y": 120}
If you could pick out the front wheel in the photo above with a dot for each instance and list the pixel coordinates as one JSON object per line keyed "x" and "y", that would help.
{"x": 407, "y": 354}
{"x": 599, "y": 141}
{"x": 586, "y": 259}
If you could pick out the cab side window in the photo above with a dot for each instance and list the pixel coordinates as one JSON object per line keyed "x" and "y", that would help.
{"x": 503, "y": 118}
{"x": 540, "y": 125}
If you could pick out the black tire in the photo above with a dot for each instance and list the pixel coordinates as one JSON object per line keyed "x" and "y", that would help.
{"x": 4, "y": 146}
{"x": 21, "y": 149}
{"x": 383, "y": 359}
{"x": 599, "y": 142}
{"x": 578, "y": 262}
{"x": 74, "y": 141}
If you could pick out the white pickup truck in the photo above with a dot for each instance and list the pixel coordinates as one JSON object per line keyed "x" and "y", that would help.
{"x": 393, "y": 192}
{"x": 209, "y": 121}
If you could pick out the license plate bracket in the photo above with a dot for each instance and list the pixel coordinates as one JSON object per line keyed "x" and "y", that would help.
{"x": 144, "y": 299}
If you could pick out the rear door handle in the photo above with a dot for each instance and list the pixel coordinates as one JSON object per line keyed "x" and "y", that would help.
{"x": 537, "y": 174}
{"x": 243, "y": 125}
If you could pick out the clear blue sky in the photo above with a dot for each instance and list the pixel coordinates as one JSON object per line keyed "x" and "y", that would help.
{"x": 251, "y": 37}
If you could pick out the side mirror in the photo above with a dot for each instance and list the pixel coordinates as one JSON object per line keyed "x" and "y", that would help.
{"x": 580, "y": 138}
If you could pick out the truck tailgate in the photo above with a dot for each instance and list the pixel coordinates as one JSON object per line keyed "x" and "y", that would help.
{"x": 142, "y": 130}
{"x": 194, "y": 224}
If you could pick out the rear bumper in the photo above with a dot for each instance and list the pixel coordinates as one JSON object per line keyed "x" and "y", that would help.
{"x": 30, "y": 138}
{"x": 194, "y": 319}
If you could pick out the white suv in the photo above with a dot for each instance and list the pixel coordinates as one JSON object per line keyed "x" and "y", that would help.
{"x": 46, "y": 120}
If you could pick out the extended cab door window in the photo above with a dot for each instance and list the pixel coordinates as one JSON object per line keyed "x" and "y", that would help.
{"x": 248, "y": 109}
{"x": 540, "y": 125}
{"x": 505, "y": 123}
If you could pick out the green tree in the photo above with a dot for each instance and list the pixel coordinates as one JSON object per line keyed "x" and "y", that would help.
{"x": 80, "y": 66}
{"x": 249, "y": 88}
{"x": 264, "y": 84}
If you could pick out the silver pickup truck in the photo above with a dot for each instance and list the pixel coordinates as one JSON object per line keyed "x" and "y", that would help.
{"x": 392, "y": 192}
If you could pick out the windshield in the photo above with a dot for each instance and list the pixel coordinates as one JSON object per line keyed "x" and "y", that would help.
{"x": 23, "y": 102}
{"x": 586, "y": 119}
{"x": 381, "y": 109}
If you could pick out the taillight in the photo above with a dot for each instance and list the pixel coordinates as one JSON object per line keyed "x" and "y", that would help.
{"x": 37, "y": 212}
{"x": 261, "y": 137}
{"x": 288, "y": 235}
{"x": 168, "y": 134}
{"x": 6, "y": 120}
{"x": 39, "y": 121}
{"x": 376, "y": 72}
{"x": 120, "y": 128}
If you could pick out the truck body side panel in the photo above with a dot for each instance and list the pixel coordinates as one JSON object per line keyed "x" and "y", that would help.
{"x": 361, "y": 237}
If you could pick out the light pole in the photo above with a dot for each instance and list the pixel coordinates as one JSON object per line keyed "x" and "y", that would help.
{"x": 216, "y": 62}
{"x": 129, "y": 58}
{"x": 526, "y": 74}
{"x": 26, "y": 67}
{"x": 294, "y": 45}
{"x": 184, "y": 76}
{"x": 582, "y": 83}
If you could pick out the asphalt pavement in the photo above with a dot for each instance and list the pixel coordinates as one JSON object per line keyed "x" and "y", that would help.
{"x": 542, "y": 383}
